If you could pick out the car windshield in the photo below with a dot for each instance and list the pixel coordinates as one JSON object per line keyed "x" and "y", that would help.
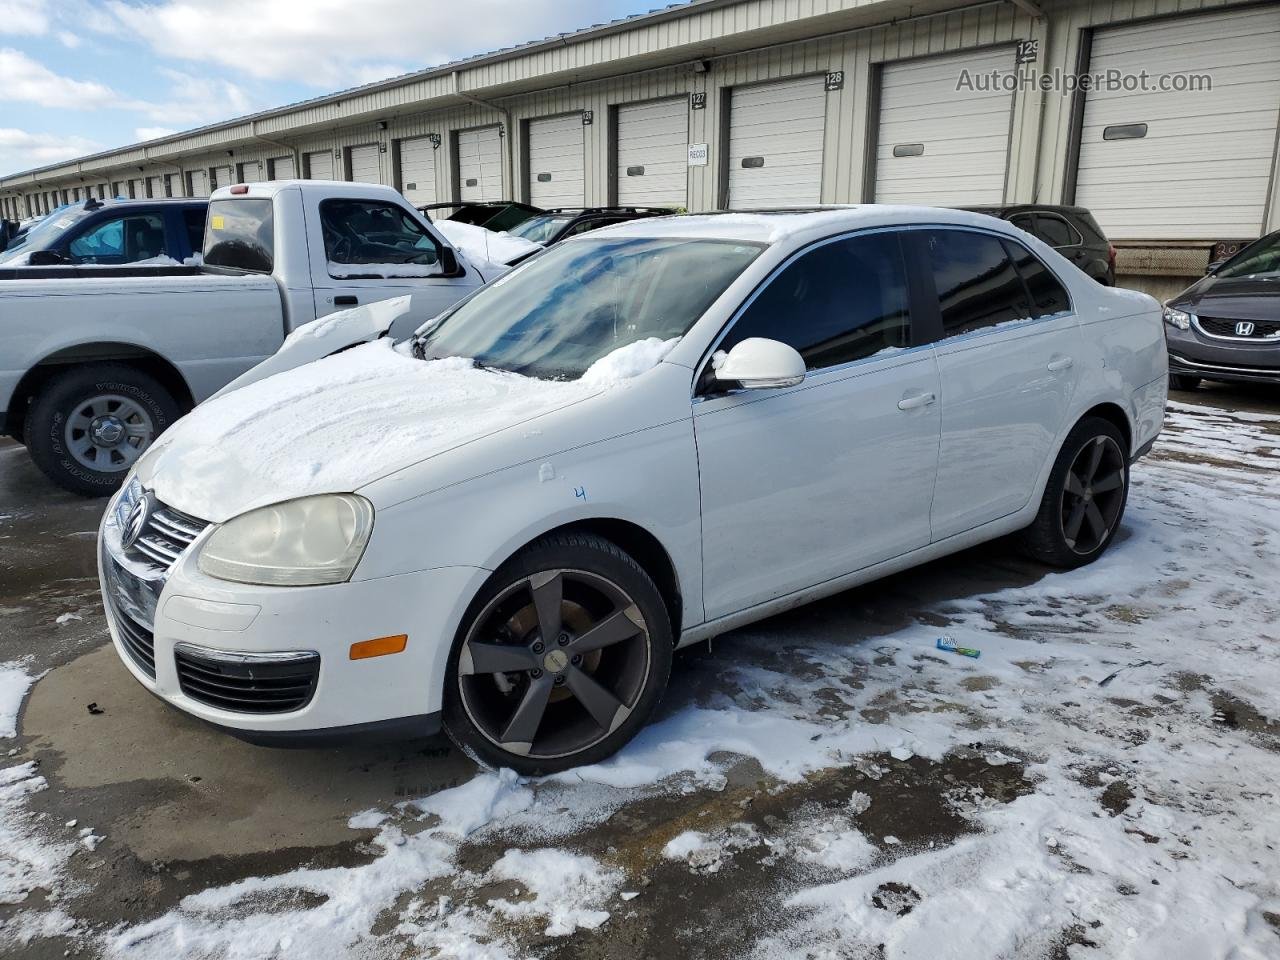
{"x": 44, "y": 234}
{"x": 565, "y": 309}
{"x": 1260, "y": 259}
{"x": 539, "y": 229}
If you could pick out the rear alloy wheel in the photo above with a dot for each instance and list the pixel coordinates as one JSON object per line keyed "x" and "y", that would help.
{"x": 1084, "y": 499}
{"x": 561, "y": 660}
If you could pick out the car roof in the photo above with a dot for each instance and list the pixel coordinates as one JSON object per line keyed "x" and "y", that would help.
{"x": 774, "y": 226}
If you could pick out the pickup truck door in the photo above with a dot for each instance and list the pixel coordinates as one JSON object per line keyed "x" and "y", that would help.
{"x": 365, "y": 250}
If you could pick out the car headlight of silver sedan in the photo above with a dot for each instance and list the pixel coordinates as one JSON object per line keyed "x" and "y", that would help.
{"x": 1177, "y": 318}
{"x": 304, "y": 542}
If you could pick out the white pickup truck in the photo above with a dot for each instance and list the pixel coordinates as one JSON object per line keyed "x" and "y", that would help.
{"x": 92, "y": 369}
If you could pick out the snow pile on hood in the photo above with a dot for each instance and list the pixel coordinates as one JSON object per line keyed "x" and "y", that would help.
{"x": 480, "y": 245}
{"x": 344, "y": 421}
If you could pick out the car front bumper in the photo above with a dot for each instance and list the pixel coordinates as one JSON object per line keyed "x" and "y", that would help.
{"x": 165, "y": 624}
{"x": 1192, "y": 353}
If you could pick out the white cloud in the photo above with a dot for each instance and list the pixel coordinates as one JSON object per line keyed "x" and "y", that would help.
{"x": 24, "y": 17}
{"x": 152, "y": 133}
{"x": 69, "y": 40}
{"x": 27, "y": 81}
{"x": 331, "y": 43}
{"x": 21, "y": 150}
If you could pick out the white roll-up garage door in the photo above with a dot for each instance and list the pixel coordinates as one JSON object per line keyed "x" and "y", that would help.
{"x": 653, "y": 154}
{"x": 480, "y": 164}
{"x": 1191, "y": 164}
{"x": 155, "y": 187}
{"x": 197, "y": 183}
{"x": 775, "y": 144}
{"x": 557, "y": 174}
{"x": 319, "y": 165}
{"x": 363, "y": 163}
{"x": 281, "y": 168}
{"x": 418, "y": 170}
{"x": 222, "y": 177}
{"x": 137, "y": 189}
{"x": 937, "y": 145}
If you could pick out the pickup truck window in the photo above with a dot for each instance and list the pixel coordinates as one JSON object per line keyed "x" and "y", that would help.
{"x": 120, "y": 240}
{"x": 373, "y": 233}
{"x": 240, "y": 235}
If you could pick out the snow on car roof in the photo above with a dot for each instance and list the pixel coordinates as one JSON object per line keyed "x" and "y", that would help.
{"x": 772, "y": 226}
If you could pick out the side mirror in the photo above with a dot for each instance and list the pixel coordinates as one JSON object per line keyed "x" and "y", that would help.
{"x": 1213, "y": 267}
{"x": 448, "y": 261}
{"x": 45, "y": 258}
{"x": 760, "y": 364}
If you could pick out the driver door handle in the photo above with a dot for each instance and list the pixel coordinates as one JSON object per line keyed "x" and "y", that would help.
{"x": 347, "y": 300}
{"x": 915, "y": 400}
{"x": 1058, "y": 364}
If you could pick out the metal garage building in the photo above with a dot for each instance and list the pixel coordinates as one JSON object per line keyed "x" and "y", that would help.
{"x": 759, "y": 103}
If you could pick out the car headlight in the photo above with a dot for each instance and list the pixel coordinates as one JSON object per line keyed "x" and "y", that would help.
{"x": 1177, "y": 318}
{"x": 303, "y": 542}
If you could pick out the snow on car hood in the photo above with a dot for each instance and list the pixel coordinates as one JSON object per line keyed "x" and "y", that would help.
{"x": 482, "y": 246}
{"x": 342, "y": 422}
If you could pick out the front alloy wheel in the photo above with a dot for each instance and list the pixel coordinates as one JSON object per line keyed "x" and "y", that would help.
{"x": 562, "y": 660}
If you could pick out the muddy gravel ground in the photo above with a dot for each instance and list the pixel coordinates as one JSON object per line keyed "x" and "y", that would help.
{"x": 1103, "y": 781}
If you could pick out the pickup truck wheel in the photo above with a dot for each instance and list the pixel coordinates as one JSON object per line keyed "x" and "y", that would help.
{"x": 560, "y": 659}
{"x": 89, "y": 425}
{"x": 1084, "y": 498}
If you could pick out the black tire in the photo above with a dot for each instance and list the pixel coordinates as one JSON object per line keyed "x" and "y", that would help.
{"x": 1183, "y": 381}
{"x": 50, "y": 422}
{"x": 479, "y": 706}
{"x": 1069, "y": 503}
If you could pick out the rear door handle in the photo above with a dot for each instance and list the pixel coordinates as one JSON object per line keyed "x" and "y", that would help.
{"x": 1061, "y": 363}
{"x": 916, "y": 400}
{"x": 345, "y": 301}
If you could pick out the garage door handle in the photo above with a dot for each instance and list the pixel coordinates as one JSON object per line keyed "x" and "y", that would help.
{"x": 348, "y": 301}
{"x": 1062, "y": 363}
{"x": 916, "y": 400}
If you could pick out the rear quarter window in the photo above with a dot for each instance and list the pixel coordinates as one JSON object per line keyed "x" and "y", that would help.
{"x": 240, "y": 235}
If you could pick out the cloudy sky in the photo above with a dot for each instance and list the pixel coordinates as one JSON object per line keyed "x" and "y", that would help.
{"x": 79, "y": 76}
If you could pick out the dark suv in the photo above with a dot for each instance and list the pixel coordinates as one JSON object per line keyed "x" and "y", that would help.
{"x": 1071, "y": 231}
{"x": 1226, "y": 326}
{"x": 111, "y": 233}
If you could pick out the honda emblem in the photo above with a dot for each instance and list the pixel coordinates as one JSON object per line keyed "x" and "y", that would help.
{"x": 1244, "y": 329}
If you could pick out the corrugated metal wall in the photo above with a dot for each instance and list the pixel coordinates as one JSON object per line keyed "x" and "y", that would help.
{"x": 1040, "y": 136}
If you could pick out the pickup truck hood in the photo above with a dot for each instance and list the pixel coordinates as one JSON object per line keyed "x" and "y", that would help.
{"x": 346, "y": 420}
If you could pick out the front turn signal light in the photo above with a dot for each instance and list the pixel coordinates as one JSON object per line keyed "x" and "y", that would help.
{"x": 380, "y": 647}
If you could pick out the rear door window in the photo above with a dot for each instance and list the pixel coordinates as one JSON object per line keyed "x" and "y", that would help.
{"x": 975, "y": 279}
{"x": 193, "y": 218}
{"x": 1055, "y": 231}
{"x": 1048, "y": 296}
{"x": 839, "y": 302}
{"x": 125, "y": 239}
{"x": 240, "y": 235}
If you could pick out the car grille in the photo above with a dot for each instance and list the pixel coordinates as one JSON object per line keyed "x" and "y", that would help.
{"x": 167, "y": 533}
{"x": 137, "y": 641}
{"x": 251, "y": 684}
{"x": 1223, "y": 327}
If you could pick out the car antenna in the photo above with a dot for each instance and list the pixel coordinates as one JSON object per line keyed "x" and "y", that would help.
{"x": 93, "y": 203}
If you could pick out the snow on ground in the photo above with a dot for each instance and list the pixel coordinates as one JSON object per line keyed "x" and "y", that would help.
{"x": 29, "y": 859}
{"x": 1131, "y": 704}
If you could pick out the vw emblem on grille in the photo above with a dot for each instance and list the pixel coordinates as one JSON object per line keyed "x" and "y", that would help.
{"x": 136, "y": 521}
{"x": 1244, "y": 329}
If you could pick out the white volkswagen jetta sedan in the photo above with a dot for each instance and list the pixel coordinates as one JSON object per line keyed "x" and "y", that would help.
{"x": 638, "y": 439}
